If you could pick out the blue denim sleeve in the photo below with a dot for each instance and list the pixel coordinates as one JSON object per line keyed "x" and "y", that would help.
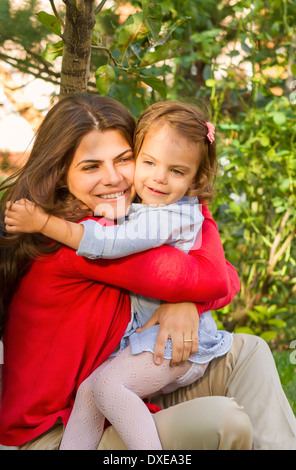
{"x": 145, "y": 228}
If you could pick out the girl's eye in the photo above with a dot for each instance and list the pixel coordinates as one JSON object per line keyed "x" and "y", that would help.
{"x": 177, "y": 172}
{"x": 148, "y": 162}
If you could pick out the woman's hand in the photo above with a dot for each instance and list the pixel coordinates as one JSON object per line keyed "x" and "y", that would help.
{"x": 178, "y": 321}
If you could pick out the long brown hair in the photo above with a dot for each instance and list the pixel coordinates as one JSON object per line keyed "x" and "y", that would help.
{"x": 190, "y": 122}
{"x": 43, "y": 179}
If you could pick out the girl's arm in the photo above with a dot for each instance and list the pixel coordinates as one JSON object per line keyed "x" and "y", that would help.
{"x": 146, "y": 228}
{"x": 24, "y": 216}
{"x": 165, "y": 273}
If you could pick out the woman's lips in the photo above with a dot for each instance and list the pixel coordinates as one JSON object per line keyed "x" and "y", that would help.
{"x": 114, "y": 195}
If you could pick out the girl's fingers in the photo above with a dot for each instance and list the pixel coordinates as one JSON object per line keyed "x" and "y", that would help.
{"x": 9, "y": 205}
{"x": 11, "y": 228}
{"x": 10, "y": 224}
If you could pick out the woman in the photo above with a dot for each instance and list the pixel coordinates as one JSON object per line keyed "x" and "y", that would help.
{"x": 62, "y": 321}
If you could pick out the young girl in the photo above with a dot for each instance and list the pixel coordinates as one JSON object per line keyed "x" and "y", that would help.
{"x": 175, "y": 167}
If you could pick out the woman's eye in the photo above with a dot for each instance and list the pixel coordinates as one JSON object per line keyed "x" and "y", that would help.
{"x": 89, "y": 168}
{"x": 126, "y": 159}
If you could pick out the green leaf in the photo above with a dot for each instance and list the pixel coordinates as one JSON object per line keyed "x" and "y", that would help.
{"x": 235, "y": 208}
{"x": 105, "y": 76}
{"x": 152, "y": 17}
{"x": 133, "y": 29}
{"x": 154, "y": 83}
{"x": 52, "y": 51}
{"x": 168, "y": 27}
{"x": 145, "y": 6}
{"x": 167, "y": 51}
{"x": 279, "y": 118}
{"x": 211, "y": 82}
{"x": 265, "y": 141}
{"x": 154, "y": 26}
{"x": 244, "y": 329}
{"x": 95, "y": 37}
{"x": 285, "y": 185}
{"x": 268, "y": 335}
{"x": 50, "y": 22}
{"x": 277, "y": 322}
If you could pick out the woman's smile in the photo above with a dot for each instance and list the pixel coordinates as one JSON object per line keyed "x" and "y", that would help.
{"x": 114, "y": 195}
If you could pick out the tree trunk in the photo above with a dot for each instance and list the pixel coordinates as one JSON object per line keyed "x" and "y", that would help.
{"x": 80, "y": 21}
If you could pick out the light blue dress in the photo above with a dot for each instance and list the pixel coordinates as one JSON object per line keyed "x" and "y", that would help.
{"x": 146, "y": 227}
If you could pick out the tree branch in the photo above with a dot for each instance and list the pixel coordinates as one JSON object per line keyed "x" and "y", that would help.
{"x": 56, "y": 13}
{"x": 283, "y": 248}
{"x": 34, "y": 70}
{"x": 278, "y": 238}
{"x": 99, "y": 7}
{"x": 103, "y": 48}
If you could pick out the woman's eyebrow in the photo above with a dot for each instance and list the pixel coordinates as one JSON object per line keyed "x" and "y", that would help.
{"x": 92, "y": 160}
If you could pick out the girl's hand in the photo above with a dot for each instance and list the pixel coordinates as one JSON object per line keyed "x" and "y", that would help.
{"x": 178, "y": 321}
{"x": 24, "y": 216}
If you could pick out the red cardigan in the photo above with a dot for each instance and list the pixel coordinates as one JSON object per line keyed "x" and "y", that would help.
{"x": 69, "y": 313}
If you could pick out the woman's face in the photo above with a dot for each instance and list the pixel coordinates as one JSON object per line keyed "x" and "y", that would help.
{"x": 101, "y": 174}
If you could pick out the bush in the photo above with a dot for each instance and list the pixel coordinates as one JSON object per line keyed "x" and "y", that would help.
{"x": 256, "y": 212}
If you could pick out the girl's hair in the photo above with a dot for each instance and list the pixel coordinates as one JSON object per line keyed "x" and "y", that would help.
{"x": 43, "y": 179}
{"x": 190, "y": 122}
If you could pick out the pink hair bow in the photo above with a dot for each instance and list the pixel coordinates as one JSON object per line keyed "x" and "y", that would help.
{"x": 211, "y": 132}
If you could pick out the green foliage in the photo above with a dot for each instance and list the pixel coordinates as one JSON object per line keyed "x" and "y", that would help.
{"x": 285, "y": 363}
{"x": 255, "y": 206}
{"x": 21, "y": 38}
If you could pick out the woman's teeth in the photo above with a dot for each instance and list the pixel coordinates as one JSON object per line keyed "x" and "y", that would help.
{"x": 113, "y": 195}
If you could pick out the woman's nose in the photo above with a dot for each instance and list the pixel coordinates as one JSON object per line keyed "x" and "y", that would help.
{"x": 111, "y": 176}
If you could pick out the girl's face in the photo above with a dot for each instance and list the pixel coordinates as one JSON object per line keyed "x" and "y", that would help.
{"x": 101, "y": 174}
{"x": 166, "y": 167}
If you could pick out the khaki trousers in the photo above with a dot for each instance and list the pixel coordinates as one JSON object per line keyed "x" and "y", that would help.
{"x": 238, "y": 404}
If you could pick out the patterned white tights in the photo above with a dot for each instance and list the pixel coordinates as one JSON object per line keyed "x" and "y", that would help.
{"x": 114, "y": 391}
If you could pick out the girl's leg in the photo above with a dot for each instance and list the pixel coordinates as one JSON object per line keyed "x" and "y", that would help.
{"x": 86, "y": 423}
{"x": 119, "y": 389}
